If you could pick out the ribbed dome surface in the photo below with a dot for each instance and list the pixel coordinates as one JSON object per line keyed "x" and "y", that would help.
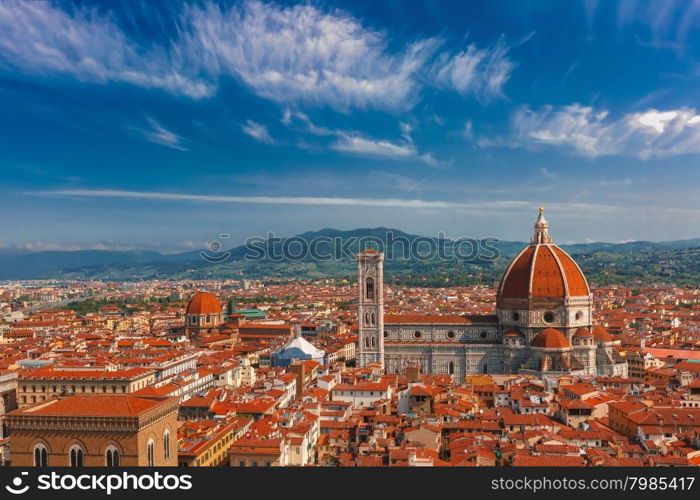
{"x": 550, "y": 338}
{"x": 204, "y": 303}
{"x": 543, "y": 272}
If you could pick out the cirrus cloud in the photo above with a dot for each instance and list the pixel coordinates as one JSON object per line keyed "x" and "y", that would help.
{"x": 590, "y": 132}
{"x": 481, "y": 72}
{"x": 295, "y": 54}
{"x": 39, "y": 38}
{"x": 485, "y": 205}
{"x": 258, "y": 132}
{"x": 158, "y": 134}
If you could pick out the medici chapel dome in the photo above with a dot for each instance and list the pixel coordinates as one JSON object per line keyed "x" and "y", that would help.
{"x": 204, "y": 303}
{"x": 542, "y": 271}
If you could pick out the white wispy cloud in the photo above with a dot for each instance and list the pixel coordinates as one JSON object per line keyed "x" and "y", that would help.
{"x": 406, "y": 130}
{"x": 40, "y": 38}
{"x": 258, "y": 132}
{"x": 468, "y": 130}
{"x": 400, "y": 182}
{"x": 668, "y": 25}
{"x": 289, "y": 54}
{"x": 158, "y": 134}
{"x": 355, "y": 144}
{"x": 590, "y": 132}
{"x": 578, "y": 209}
{"x": 478, "y": 71}
{"x": 547, "y": 174}
{"x": 305, "y": 54}
{"x": 287, "y": 117}
{"x": 290, "y": 117}
{"x": 275, "y": 200}
{"x": 45, "y": 246}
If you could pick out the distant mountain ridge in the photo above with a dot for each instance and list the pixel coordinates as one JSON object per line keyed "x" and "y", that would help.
{"x": 657, "y": 261}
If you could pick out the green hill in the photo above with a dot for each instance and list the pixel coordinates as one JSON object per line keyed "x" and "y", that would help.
{"x": 671, "y": 261}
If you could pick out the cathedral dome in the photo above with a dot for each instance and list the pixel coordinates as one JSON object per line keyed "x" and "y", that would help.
{"x": 542, "y": 270}
{"x": 601, "y": 333}
{"x": 550, "y": 338}
{"x": 582, "y": 332}
{"x": 204, "y": 303}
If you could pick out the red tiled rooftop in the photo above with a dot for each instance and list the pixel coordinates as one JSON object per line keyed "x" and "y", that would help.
{"x": 94, "y": 406}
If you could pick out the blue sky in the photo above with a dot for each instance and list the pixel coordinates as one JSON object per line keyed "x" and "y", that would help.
{"x": 164, "y": 124}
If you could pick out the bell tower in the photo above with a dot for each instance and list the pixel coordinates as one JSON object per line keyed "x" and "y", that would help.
{"x": 370, "y": 287}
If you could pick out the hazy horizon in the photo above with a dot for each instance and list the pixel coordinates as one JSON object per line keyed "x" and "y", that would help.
{"x": 227, "y": 243}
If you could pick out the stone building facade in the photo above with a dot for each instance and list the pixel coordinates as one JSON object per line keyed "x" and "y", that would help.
{"x": 100, "y": 430}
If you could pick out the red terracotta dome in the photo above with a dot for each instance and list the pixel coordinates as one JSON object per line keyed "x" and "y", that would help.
{"x": 513, "y": 333}
{"x": 601, "y": 333}
{"x": 204, "y": 303}
{"x": 542, "y": 270}
{"x": 582, "y": 332}
{"x": 550, "y": 338}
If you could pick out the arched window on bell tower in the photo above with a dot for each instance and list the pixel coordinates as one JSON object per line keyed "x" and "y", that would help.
{"x": 369, "y": 289}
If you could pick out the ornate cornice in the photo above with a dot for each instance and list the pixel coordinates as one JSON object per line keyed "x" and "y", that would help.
{"x": 28, "y": 421}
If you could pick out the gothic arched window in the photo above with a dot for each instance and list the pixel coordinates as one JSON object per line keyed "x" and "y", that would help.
{"x": 150, "y": 453}
{"x": 41, "y": 456}
{"x": 369, "y": 289}
{"x": 76, "y": 456}
{"x": 166, "y": 445}
{"x": 451, "y": 367}
{"x": 112, "y": 458}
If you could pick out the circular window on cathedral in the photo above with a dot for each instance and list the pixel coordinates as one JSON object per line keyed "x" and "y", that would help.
{"x": 516, "y": 316}
{"x": 483, "y": 335}
{"x": 450, "y": 335}
{"x": 417, "y": 335}
{"x": 548, "y": 317}
{"x": 386, "y": 334}
{"x": 579, "y": 315}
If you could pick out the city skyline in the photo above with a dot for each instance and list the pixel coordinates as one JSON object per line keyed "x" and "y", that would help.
{"x": 349, "y": 234}
{"x": 165, "y": 127}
